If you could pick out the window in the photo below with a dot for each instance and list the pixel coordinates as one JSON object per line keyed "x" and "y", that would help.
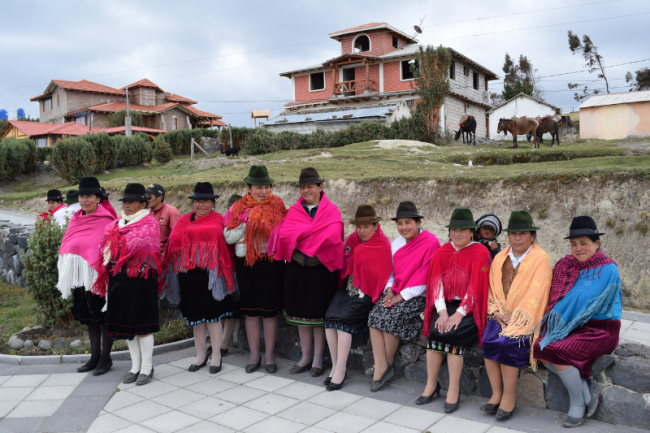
{"x": 466, "y": 71}
{"x": 361, "y": 44}
{"x": 174, "y": 123}
{"x": 395, "y": 42}
{"x": 146, "y": 97}
{"x": 475, "y": 80}
{"x": 41, "y": 142}
{"x": 406, "y": 69}
{"x": 81, "y": 120}
{"x": 146, "y": 90}
{"x": 47, "y": 104}
{"x": 411, "y": 104}
{"x": 102, "y": 99}
{"x": 58, "y": 102}
{"x": 452, "y": 70}
{"x": 316, "y": 81}
{"x": 146, "y": 103}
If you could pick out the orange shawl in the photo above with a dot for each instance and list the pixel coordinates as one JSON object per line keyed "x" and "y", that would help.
{"x": 260, "y": 217}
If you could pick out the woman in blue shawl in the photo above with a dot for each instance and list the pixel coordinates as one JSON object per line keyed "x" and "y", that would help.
{"x": 582, "y": 321}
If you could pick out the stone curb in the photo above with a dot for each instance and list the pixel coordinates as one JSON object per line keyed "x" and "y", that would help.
{"x": 76, "y": 359}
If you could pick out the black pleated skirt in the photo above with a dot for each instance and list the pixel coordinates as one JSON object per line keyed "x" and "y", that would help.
{"x": 197, "y": 303}
{"x": 261, "y": 287}
{"x": 308, "y": 291}
{"x": 87, "y": 307}
{"x": 347, "y": 313}
{"x": 132, "y": 307}
{"x": 456, "y": 341}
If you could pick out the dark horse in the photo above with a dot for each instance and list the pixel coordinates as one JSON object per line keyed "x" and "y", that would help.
{"x": 519, "y": 127}
{"x": 548, "y": 124}
{"x": 469, "y": 128}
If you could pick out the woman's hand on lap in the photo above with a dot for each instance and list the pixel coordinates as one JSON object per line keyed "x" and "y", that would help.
{"x": 454, "y": 321}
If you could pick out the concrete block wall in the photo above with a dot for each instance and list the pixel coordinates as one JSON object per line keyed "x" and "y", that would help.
{"x": 455, "y": 109}
{"x": 14, "y": 246}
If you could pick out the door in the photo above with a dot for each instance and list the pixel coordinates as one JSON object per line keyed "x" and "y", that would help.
{"x": 348, "y": 75}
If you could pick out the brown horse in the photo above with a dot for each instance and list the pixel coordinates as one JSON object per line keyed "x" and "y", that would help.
{"x": 548, "y": 124}
{"x": 519, "y": 127}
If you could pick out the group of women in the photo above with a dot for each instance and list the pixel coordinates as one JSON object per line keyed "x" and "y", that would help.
{"x": 260, "y": 260}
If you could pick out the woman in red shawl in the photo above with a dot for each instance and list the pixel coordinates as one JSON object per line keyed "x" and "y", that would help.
{"x": 367, "y": 265}
{"x": 198, "y": 275}
{"x": 128, "y": 279}
{"x": 311, "y": 239}
{"x": 259, "y": 277}
{"x": 456, "y": 305}
{"x": 54, "y": 203}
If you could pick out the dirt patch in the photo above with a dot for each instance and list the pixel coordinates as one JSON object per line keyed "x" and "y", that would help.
{"x": 222, "y": 161}
{"x": 406, "y": 145}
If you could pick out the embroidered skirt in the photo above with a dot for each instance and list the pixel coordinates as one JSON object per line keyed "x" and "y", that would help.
{"x": 197, "y": 304}
{"x": 261, "y": 287}
{"x": 457, "y": 341}
{"x": 132, "y": 307}
{"x": 308, "y": 291}
{"x": 348, "y": 314}
{"x": 505, "y": 350}
{"x": 87, "y": 307}
{"x": 582, "y": 346}
{"x": 403, "y": 320}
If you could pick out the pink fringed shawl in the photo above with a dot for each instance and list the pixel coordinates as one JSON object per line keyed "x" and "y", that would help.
{"x": 411, "y": 262}
{"x": 84, "y": 233}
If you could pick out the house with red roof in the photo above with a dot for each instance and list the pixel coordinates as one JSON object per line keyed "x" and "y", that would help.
{"x": 371, "y": 80}
{"x": 88, "y": 103}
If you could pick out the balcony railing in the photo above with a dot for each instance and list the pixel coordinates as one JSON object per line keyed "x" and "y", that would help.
{"x": 353, "y": 85}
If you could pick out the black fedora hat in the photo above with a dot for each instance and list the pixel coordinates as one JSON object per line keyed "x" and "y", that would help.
{"x": 308, "y": 176}
{"x": 583, "y": 226}
{"x": 134, "y": 192}
{"x": 89, "y": 185}
{"x": 54, "y": 195}
{"x": 406, "y": 209}
{"x": 203, "y": 191}
{"x": 365, "y": 214}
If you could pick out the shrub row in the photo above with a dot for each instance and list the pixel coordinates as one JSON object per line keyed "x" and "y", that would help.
{"x": 16, "y": 156}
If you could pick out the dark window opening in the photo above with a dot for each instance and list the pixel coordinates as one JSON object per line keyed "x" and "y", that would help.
{"x": 475, "y": 80}
{"x": 452, "y": 70}
{"x": 411, "y": 104}
{"x": 361, "y": 44}
{"x": 395, "y": 42}
{"x": 317, "y": 81}
{"x": 466, "y": 71}
{"x": 406, "y": 69}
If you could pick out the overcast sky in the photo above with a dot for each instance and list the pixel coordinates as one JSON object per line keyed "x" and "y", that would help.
{"x": 234, "y": 51}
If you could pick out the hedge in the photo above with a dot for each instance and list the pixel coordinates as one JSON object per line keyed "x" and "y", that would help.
{"x": 134, "y": 150}
{"x": 162, "y": 151}
{"x": 16, "y": 156}
{"x": 239, "y": 135}
{"x": 74, "y": 157}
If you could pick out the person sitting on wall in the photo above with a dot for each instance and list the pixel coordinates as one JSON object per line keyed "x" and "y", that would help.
{"x": 54, "y": 203}
{"x": 63, "y": 215}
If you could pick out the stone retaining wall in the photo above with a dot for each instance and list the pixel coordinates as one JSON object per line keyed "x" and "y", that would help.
{"x": 14, "y": 242}
{"x": 620, "y": 382}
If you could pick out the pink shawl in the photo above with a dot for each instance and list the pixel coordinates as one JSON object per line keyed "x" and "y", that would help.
{"x": 411, "y": 262}
{"x": 84, "y": 233}
{"x": 135, "y": 246}
{"x": 320, "y": 237}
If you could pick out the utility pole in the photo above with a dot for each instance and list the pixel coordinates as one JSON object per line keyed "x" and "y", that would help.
{"x": 127, "y": 119}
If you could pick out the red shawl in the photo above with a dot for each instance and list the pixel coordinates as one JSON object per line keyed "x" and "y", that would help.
{"x": 260, "y": 217}
{"x": 370, "y": 263}
{"x": 411, "y": 262}
{"x": 107, "y": 205}
{"x": 320, "y": 237}
{"x": 47, "y": 215}
{"x": 136, "y": 246}
{"x": 198, "y": 244}
{"x": 84, "y": 233}
{"x": 567, "y": 271}
{"x": 464, "y": 272}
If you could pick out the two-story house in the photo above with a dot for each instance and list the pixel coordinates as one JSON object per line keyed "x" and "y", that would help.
{"x": 91, "y": 103}
{"x": 371, "y": 80}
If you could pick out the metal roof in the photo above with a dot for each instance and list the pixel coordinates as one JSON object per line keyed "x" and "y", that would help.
{"x": 617, "y": 98}
{"x": 352, "y": 114}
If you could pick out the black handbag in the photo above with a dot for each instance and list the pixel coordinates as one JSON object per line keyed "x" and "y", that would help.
{"x": 464, "y": 335}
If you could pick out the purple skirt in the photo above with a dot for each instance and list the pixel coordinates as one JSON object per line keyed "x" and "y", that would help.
{"x": 505, "y": 350}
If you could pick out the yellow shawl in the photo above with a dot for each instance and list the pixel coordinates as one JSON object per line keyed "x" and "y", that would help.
{"x": 528, "y": 295}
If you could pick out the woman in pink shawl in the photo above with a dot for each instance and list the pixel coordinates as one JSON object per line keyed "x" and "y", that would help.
{"x": 79, "y": 264}
{"x": 311, "y": 239}
{"x": 397, "y": 314}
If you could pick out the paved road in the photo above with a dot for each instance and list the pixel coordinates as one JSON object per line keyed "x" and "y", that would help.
{"x": 18, "y": 218}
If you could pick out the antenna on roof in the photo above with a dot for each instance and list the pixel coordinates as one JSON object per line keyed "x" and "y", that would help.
{"x": 418, "y": 30}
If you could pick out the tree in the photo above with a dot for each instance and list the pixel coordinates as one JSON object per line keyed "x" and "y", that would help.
{"x": 522, "y": 76}
{"x": 512, "y": 90}
{"x": 641, "y": 80}
{"x": 431, "y": 78}
{"x": 117, "y": 119}
{"x": 497, "y": 98}
{"x": 593, "y": 62}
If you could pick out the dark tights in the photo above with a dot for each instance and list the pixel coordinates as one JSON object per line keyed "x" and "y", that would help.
{"x": 100, "y": 354}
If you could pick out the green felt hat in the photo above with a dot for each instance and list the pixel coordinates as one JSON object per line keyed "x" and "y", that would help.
{"x": 521, "y": 221}
{"x": 233, "y": 198}
{"x": 71, "y": 197}
{"x": 462, "y": 219}
{"x": 258, "y": 175}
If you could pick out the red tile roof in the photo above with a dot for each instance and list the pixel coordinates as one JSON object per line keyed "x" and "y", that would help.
{"x": 215, "y": 122}
{"x": 36, "y": 128}
{"x": 177, "y": 98}
{"x": 145, "y": 82}
{"x": 119, "y": 129}
{"x": 87, "y": 86}
{"x": 200, "y": 113}
{"x": 361, "y": 27}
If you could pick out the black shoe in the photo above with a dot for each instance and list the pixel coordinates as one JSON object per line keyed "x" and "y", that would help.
{"x": 327, "y": 381}
{"x": 214, "y": 369}
{"x": 426, "y": 399}
{"x": 490, "y": 408}
{"x": 271, "y": 368}
{"x": 376, "y": 384}
{"x": 84, "y": 368}
{"x": 224, "y": 352}
{"x": 336, "y": 386}
{"x": 502, "y": 415}
{"x": 100, "y": 371}
{"x": 572, "y": 422}
{"x": 253, "y": 367}
{"x": 194, "y": 367}
{"x": 208, "y": 352}
{"x": 450, "y": 408}
{"x": 130, "y": 377}
{"x": 143, "y": 380}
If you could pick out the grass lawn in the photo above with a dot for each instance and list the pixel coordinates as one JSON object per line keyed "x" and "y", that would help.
{"x": 16, "y": 310}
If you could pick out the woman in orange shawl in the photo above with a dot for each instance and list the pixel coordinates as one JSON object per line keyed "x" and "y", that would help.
{"x": 520, "y": 279}
{"x": 249, "y": 225}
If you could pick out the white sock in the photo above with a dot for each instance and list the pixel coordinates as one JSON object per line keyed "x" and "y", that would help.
{"x": 146, "y": 347}
{"x": 134, "y": 350}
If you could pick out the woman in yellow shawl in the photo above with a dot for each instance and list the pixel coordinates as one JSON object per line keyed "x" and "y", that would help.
{"x": 520, "y": 280}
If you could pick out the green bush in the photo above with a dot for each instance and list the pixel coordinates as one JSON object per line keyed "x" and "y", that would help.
{"x": 134, "y": 150}
{"x": 74, "y": 158}
{"x": 104, "y": 148}
{"x": 41, "y": 275}
{"x": 239, "y": 135}
{"x": 162, "y": 151}
{"x": 16, "y": 156}
{"x": 117, "y": 119}
{"x": 43, "y": 153}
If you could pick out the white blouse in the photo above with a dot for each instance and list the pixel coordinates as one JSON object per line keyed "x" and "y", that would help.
{"x": 440, "y": 302}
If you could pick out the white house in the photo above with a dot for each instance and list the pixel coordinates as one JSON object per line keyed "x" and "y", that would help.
{"x": 520, "y": 105}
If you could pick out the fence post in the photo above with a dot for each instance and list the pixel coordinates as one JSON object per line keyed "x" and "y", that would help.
{"x": 230, "y": 130}
{"x": 192, "y": 149}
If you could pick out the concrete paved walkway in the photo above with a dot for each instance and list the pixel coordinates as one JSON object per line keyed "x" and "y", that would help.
{"x": 54, "y": 398}
{"x": 19, "y": 218}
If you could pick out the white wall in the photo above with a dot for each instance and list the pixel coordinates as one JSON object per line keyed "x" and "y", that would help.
{"x": 519, "y": 107}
